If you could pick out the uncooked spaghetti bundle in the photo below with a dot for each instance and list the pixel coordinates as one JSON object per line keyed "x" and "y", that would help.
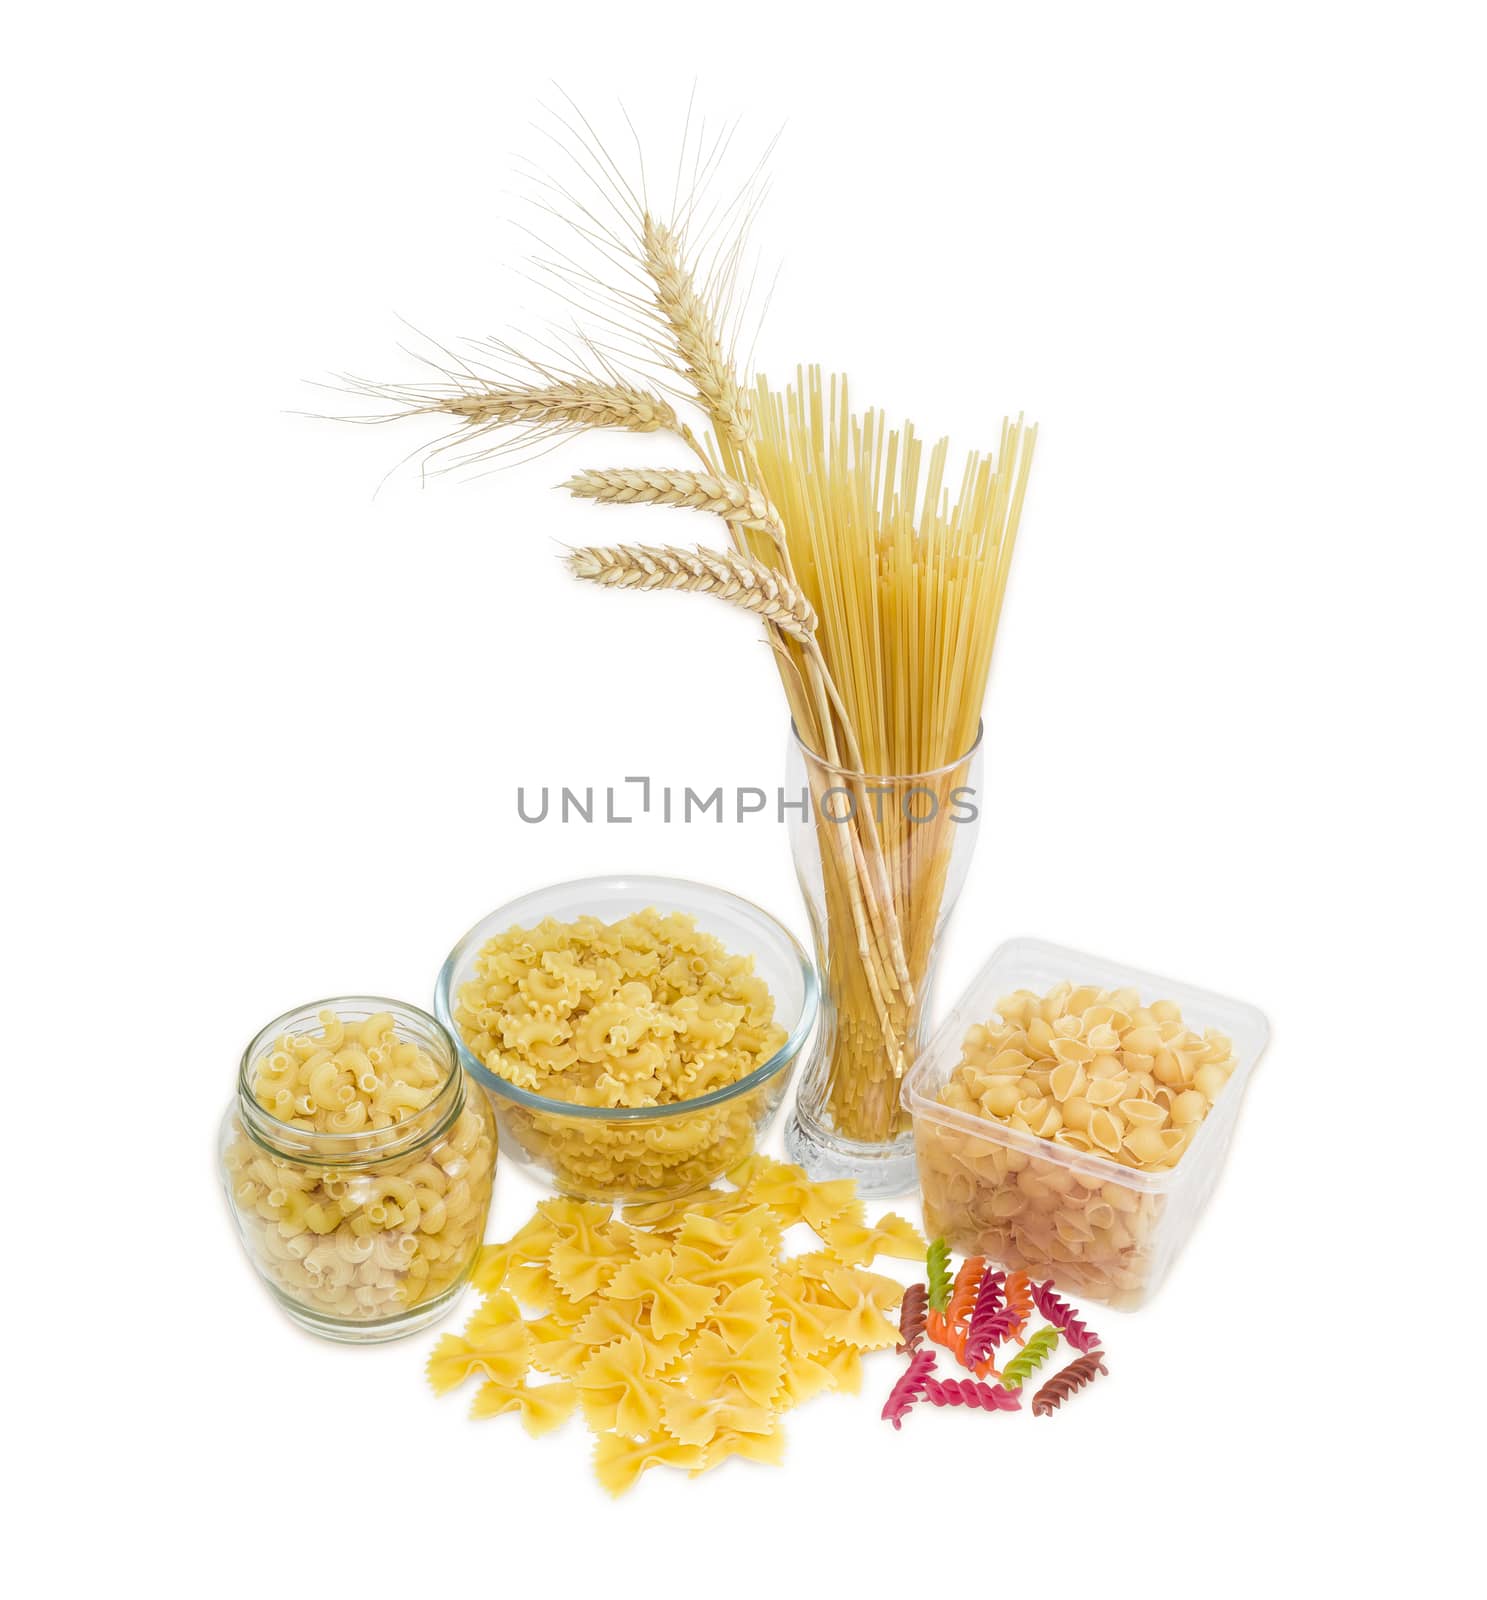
{"x": 876, "y": 568}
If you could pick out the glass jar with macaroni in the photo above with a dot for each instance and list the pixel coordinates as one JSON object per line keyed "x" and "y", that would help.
{"x": 358, "y": 1161}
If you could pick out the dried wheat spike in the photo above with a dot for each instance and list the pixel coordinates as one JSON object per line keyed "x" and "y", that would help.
{"x": 567, "y": 405}
{"x": 702, "y": 491}
{"x": 698, "y": 342}
{"x": 727, "y": 574}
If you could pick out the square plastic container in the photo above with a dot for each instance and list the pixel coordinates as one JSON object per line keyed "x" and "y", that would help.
{"x": 1100, "y": 1230}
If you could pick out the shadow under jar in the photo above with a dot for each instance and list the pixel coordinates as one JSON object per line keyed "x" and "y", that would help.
{"x": 366, "y": 1235}
{"x": 881, "y": 859}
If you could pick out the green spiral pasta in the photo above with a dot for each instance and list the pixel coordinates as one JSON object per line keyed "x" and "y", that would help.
{"x": 937, "y": 1269}
{"x": 1033, "y": 1354}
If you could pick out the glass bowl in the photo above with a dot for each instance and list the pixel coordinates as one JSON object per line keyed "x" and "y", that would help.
{"x": 635, "y": 1154}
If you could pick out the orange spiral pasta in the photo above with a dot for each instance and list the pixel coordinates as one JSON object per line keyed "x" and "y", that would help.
{"x": 963, "y": 1295}
{"x": 1019, "y": 1295}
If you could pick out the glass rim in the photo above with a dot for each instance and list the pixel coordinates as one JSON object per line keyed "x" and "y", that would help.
{"x": 545, "y": 1104}
{"x": 888, "y": 777}
{"x": 331, "y": 1145}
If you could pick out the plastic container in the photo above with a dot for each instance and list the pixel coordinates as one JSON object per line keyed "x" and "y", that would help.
{"x": 1100, "y": 1230}
{"x": 633, "y": 1154}
{"x": 367, "y": 1235}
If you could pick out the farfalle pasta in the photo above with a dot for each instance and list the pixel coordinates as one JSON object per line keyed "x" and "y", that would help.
{"x": 1115, "y": 1087}
{"x": 639, "y": 1014}
{"x": 680, "y": 1331}
{"x": 358, "y": 1168}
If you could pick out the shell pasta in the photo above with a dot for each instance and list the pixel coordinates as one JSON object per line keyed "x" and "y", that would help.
{"x": 1114, "y": 1088}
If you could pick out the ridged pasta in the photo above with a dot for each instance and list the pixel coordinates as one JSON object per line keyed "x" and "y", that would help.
{"x": 910, "y": 1387}
{"x": 1034, "y": 1353}
{"x": 967, "y": 1392}
{"x": 1079, "y": 1372}
{"x": 1056, "y": 1310}
{"x": 911, "y": 1316}
{"x": 370, "y": 1239}
{"x": 991, "y": 1324}
{"x": 1019, "y": 1296}
{"x": 964, "y": 1293}
{"x": 937, "y": 1271}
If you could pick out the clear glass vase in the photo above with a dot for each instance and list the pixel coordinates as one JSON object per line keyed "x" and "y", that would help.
{"x": 881, "y": 861}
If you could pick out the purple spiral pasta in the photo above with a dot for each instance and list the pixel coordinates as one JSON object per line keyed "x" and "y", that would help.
{"x": 910, "y": 1387}
{"x": 913, "y": 1312}
{"x": 991, "y": 1322}
{"x": 967, "y": 1392}
{"x": 1053, "y": 1308}
{"x": 1080, "y": 1371}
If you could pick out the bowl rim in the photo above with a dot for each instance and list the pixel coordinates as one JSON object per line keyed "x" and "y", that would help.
{"x": 644, "y": 883}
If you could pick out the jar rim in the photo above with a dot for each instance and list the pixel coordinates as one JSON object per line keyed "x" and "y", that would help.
{"x": 330, "y": 1147}
{"x": 888, "y": 777}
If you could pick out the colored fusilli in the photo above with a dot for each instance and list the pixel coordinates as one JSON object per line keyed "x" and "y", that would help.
{"x": 1079, "y": 1372}
{"x": 967, "y": 1392}
{"x": 1022, "y": 1366}
{"x": 910, "y": 1387}
{"x": 912, "y": 1312}
{"x": 1052, "y": 1307}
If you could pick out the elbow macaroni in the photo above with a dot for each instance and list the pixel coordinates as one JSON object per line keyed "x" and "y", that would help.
{"x": 371, "y": 1239}
{"x": 1107, "y": 1079}
{"x": 645, "y": 1012}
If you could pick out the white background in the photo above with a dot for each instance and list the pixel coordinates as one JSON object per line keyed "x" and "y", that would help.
{"x": 263, "y": 732}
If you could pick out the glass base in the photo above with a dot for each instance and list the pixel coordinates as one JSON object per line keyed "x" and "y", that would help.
{"x": 879, "y": 1170}
{"x": 378, "y": 1332}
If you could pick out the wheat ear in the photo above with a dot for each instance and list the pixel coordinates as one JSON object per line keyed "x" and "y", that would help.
{"x": 701, "y": 491}
{"x": 699, "y": 346}
{"x": 569, "y": 406}
{"x": 728, "y": 574}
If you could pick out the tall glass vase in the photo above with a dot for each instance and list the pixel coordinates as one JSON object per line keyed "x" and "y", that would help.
{"x": 881, "y": 861}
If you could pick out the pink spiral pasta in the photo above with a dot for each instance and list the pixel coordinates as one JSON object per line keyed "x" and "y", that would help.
{"x": 1053, "y": 1308}
{"x": 991, "y": 1322}
{"x": 967, "y": 1392}
{"x": 912, "y": 1313}
{"x": 910, "y": 1387}
{"x": 1079, "y": 1372}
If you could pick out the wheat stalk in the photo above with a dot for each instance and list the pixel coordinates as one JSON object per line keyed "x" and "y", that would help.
{"x": 566, "y": 405}
{"x": 727, "y": 574}
{"x": 688, "y": 317}
{"x": 701, "y": 491}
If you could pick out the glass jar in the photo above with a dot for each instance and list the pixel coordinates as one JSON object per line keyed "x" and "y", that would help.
{"x": 366, "y": 1235}
{"x": 881, "y": 860}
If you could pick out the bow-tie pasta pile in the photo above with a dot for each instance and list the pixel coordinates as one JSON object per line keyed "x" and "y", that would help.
{"x": 1096, "y": 1074}
{"x": 680, "y": 1329}
{"x": 646, "y": 1011}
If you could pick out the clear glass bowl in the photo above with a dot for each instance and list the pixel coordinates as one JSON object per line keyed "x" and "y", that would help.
{"x": 636, "y": 1154}
{"x": 369, "y": 1235}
